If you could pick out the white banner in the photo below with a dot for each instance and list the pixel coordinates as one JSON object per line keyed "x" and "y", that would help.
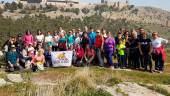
{"x": 61, "y": 58}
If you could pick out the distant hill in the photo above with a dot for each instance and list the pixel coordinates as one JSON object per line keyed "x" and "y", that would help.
{"x": 149, "y": 15}
{"x": 16, "y": 18}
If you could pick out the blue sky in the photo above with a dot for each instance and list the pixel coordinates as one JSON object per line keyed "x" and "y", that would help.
{"x": 164, "y": 4}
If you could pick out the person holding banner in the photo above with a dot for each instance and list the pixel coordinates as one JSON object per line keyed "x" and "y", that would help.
{"x": 70, "y": 39}
{"x": 62, "y": 43}
{"x": 47, "y": 54}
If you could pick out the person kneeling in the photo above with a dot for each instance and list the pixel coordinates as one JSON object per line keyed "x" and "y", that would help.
{"x": 89, "y": 55}
{"x": 79, "y": 54}
{"x": 38, "y": 61}
{"x": 13, "y": 60}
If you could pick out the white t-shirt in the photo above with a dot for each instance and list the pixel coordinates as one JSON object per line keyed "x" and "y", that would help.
{"x": 40, "y": 38}
{"x": 77, "y": 40}
{"x": 55, "y": 40}
{"x": 31, "y": 49}
{"x": 159, "y": 42}
{"x": 24, "y": 53}
{"x": 48, "y": 39}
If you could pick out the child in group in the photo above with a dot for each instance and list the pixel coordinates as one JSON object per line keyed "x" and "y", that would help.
{"x": 30, "y": 50}
{"x": 121, "y": 53}
{"x": 48, "y": 57}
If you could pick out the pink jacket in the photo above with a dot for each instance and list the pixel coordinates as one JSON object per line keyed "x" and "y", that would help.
{"x": 28, "y": 39}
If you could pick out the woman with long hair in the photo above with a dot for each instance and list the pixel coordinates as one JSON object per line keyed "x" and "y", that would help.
{"x": 28, "y": 38}
{"x": 39, "y": 37}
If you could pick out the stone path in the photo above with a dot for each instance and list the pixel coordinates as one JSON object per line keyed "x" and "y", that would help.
{"x": 133, "y": 89}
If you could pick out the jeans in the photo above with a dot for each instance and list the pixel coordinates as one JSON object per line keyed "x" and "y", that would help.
{"x": 134, "y": 59}
{"x": 15, "y": 67}
{"x": 121, "y": 61}
{"x": 54, "y": 48}
{"x": 146, "y": 59}
{"x": 99, "y": 57}
{"x": 159, "y": 63}
{"x": 109, "y": 55}
{"x": 48, "y": 63}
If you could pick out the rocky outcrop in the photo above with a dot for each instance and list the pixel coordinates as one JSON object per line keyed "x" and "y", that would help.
{"x": 16, "y": 78}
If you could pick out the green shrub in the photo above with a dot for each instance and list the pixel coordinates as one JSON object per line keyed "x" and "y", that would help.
{"x": 73, "y": 10}
{"x": 85, "y": 10}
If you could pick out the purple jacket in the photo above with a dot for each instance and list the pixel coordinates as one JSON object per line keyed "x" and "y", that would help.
{"x": 109, "y": 44}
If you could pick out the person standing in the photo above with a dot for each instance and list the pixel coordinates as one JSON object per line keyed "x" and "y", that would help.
{"x": 99, "y": 47}
{"x": 104, "y": 34}
{"x": 48, "y": 40}
{"x": 77, "y": 39}
{"x": 120, "y": 46}
{"x": 62, "y": 43}
{"x": 92, "y": 37}
{"x": 109, "y": 49}
{"x": 158, "y": 54}
{"x": 145, "y": 49}
{"x": 85, "y": 40}
{"x": 134, "y": 51}
{"x": 56, "y": 37}
{"x": 28, "y": 38}
{"x": 19, "y": 43}
{"x": 70, "y": 39}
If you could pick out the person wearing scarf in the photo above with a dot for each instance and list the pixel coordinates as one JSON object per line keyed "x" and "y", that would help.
{"x": 158, "y": 53}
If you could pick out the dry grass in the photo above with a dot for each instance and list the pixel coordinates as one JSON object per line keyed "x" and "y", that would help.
{"x": 78, "y": 81}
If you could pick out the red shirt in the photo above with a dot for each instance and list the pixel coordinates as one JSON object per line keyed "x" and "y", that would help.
{"x": 90, "y": 52}
{"x": 80, "y": 53}
{"x": 98, "y": 42}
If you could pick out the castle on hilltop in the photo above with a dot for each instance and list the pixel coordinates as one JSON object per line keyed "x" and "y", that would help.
{"x": 46, "y": 1}
{"x": 116, "y": 3}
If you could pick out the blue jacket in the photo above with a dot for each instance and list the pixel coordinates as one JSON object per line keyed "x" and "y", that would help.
{"x": 92, "y": 37}
{"x": 12, "y": 57}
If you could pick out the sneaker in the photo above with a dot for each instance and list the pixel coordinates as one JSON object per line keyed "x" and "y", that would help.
{"x": 160, "y": 72}
{"x": 112, "y": 68}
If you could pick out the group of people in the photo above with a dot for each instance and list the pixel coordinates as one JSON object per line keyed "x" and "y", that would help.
{"x": 132, "y": 49}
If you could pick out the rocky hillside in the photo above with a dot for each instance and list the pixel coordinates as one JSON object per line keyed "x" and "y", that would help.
{"x": 149, "y": 15}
